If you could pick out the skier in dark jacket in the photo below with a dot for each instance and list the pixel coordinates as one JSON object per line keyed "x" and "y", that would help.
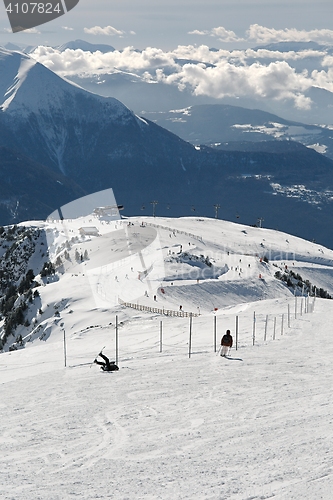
{"x": 226, "y": 343}
{"x": 107, "y": 365}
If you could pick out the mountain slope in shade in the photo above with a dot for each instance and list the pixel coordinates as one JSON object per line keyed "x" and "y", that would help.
{"x": 41, "y": 109}
{"x": 31, "y": 190}
{"x": 218, "y": 123}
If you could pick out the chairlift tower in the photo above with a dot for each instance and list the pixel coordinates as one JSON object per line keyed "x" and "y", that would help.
{"x": 154, "y": 203}
{"x": 217, "y": 206}
{"x": 260, "y": 221}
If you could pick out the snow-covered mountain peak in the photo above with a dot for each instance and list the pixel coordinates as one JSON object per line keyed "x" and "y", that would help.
{"x": 14, "y": 67}
{"x": 25, "y": 65}
{"x": 29, "y": 87}
{"x": 60, "y": 116}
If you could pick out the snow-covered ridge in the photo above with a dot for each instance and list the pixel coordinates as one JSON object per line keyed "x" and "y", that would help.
{"x": 22, "y": 73}
{"x": 188, "y": 262}
{"x": 279, "y": 130}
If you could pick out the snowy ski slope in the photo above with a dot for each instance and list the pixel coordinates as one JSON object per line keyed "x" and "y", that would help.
{"x": 172, "y": 424}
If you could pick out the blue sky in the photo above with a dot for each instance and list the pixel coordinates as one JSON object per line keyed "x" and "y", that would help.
{"x": 169, "y": 23}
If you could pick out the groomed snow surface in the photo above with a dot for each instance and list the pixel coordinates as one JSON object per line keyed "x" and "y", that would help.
{"x": 170, "y": 425}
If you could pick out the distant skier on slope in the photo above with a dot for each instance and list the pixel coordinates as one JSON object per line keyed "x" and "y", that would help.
{"x": 226, "y": 343}
{"x": 107, "y": 365}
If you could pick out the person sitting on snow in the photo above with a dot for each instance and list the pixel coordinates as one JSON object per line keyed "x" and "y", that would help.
{"x": 107, "y": 365}
{"x": 226, "y": 343}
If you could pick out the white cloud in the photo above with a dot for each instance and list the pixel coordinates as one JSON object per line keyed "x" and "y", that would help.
{"x": 71, "y": 62}
{"x": 276, "y": 81}
{"x": 327, "y": 61}
{"x": 107, "y": 30}
{"x": 261, "y": 34}
{"x": 198, "y": 32}
{"x": 67, "y": 28}
{"x": 30, "y": 31}
{"x": 290, "y": 55}
{"x": 221, "y": 33}
{"x": 255, "y": 73}
{"x": 225, "y": 35}
{"x": 323, "y": 79}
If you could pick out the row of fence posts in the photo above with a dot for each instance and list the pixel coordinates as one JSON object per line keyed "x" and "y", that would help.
{"x": 166, "y": 312}
{"x": 307, "y": 308}
{"x": 215, "y": 333}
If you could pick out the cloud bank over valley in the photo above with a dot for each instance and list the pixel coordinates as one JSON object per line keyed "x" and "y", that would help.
{"x": 280, "y": 71}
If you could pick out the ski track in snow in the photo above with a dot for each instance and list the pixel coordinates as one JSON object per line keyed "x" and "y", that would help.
{"x": 254, "y": 426}
{"x": 205, "y": 427}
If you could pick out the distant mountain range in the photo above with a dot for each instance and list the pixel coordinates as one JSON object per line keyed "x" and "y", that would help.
{"x": 140, "y": 94}
{"x": 73, "y": 45}
{"x": 131, "y": 86}
{"x": 221, "y": 123}
{"x": 82, "y": 143}
{"x": 81, "y": 44}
